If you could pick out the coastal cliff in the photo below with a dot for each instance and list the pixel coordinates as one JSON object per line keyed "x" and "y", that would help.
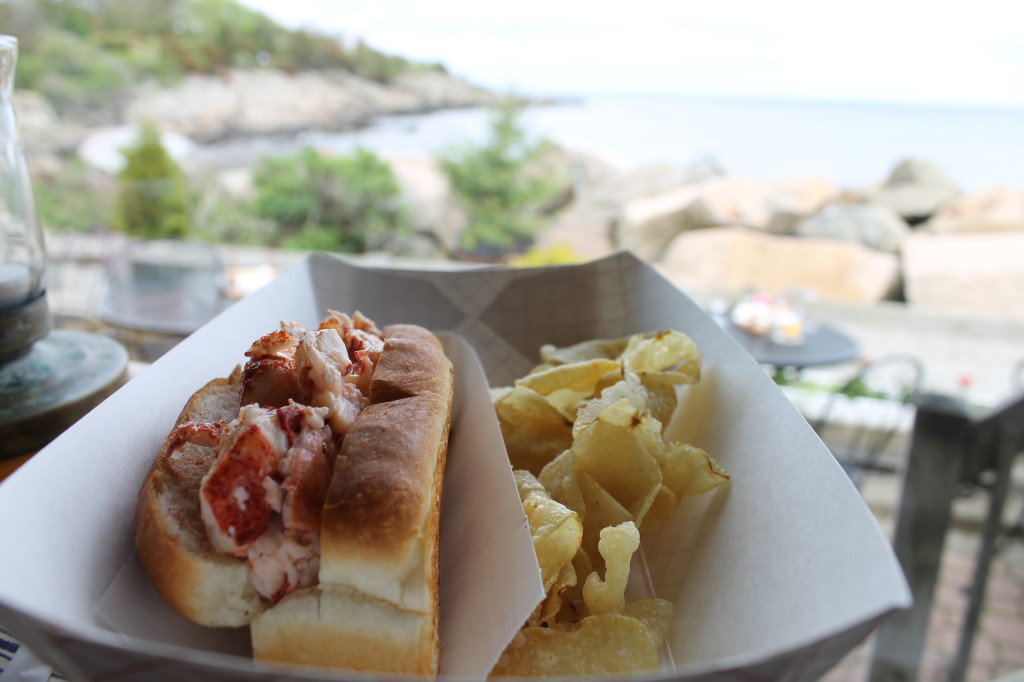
{"x": 247, "y": 102}
{"x": 209, "y": 108}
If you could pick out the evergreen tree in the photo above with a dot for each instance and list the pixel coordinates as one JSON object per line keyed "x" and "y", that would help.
{"x": 503, "y": 196}
{"x": 152, "y": 193}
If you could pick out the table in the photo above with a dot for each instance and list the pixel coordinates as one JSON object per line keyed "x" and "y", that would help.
{"x": 60, "y": 378}
{"x": 823, "y": 345}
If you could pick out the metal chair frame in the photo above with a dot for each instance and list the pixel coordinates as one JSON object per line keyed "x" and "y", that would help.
{"x": 867, "y": 442}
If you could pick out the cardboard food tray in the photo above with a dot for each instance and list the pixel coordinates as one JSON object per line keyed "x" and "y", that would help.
{"x": 777, "y": 575}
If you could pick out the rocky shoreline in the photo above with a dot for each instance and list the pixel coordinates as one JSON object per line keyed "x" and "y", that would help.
{"x": 914, "y": 236}
{"x": 244, "y": 103}
{"x": 210, "y": 109}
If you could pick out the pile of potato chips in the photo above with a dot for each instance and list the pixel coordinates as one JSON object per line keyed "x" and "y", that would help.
{"x": 584, "y": 434}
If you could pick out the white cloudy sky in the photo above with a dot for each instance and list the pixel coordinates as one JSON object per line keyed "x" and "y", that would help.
{"x": 968, "y": 52}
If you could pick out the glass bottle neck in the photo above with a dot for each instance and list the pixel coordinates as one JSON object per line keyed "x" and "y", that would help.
{"x": 8, "y": 62}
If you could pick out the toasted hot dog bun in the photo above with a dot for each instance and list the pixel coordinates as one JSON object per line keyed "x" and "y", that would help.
{"x": 202, "y": 584}
{"x": 376, "y": 605}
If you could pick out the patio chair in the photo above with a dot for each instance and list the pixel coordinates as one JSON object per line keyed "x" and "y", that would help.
{"x": 861, "y": 418}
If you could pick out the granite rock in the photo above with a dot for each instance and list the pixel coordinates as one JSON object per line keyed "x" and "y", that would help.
{"x": 731, "y": 259}
{"x": 873, "y": 225}
{"x": 974, "y": 273}
{"x": 916, "y": 189}
{"x": 207, "y": 108}
{"x": 433, "y": 207}
{"x": 648, "y": 224}
{"x": 994, "y": 209}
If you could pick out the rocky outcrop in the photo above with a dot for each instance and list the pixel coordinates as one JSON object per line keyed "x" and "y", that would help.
{"x": 976, "y": 273}
{"x": 41, "y": 130}
{"x": 438, "y": 220}
{"x": 648, "y": 224}
{"x": 873, "y": 225}
{"x": 995, "y": 209}
{"x": 758, "y": 202}
{"x": 733, "y": 259}
{"x": 241, "y": 103}
{"x": 916, "y": 189}
{"x": 432, "y": 90}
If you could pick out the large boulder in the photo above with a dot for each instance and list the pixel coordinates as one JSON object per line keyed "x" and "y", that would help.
{"x": 610, "y": 191}
{"x": 996, "y": 209}
{"x": 731, "y": 259}
{"x": 873, "y": 225}
{"x": 585, "y": 232}
{"x": 438, "y": 218}
{"x": 916, "y": 189}
{"x": 762, "y": 202}
{"x": 976, "y": 273}
{"x": 648, "y": 224}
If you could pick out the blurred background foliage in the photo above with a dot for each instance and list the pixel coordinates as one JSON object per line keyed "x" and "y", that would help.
{"x": 152, "y": 194}
{"x": 504, "y": 198}
{"x": 85, "y": 56}
{"x": 85, "y": 53}
{"x": 350, "y": 204}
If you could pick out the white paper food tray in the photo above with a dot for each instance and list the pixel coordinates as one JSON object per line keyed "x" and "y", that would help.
{"x": 775, "y": 576}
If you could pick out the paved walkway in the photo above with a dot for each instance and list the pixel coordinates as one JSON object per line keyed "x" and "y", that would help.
{"x": 998, "y": 649}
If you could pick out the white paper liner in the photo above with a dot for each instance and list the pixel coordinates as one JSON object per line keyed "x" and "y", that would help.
{"x": 777, "y": 575}
{"x": 486, "y": 551}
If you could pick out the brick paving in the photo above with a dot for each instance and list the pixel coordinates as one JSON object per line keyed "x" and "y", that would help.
{"x": 998, "y": 647}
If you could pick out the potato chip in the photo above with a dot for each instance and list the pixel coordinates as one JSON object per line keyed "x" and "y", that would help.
{"x": 588, "y": 423}
{"x": 618, "y": 451}
{"x": 556, "y": 609}
{"x": 498, "y": 393}
{"x": 668, "y": 350}
{"x": 661, "y": 509}
{"x": 560, "y": 479}
{"x": 583, "y": 566}
{"x": 662, "y": 399}
{"x": 533, "y": 430}
{"x": 654, "y": 613}
{"x": 527, "y": 483}
{"x": 603, "y": 510}
{"x": 627, "y": 388}
{"x": 556, "y": 530}
{"x": 578, "y": 376}
{"x": 606, "y": 644}
{"x": 608, "y": 349}
{"x": 566, "y": 386}
{"x": 608, "y": 594}
{"x": 688, "y": 470}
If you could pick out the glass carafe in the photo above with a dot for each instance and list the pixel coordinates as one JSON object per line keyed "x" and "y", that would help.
{"x": 24, "y": 316}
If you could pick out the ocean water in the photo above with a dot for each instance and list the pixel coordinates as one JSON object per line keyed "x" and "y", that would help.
{"x": 853, "y": 144}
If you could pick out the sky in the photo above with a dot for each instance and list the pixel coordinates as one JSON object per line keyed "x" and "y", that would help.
{"x": 949, "y": 52}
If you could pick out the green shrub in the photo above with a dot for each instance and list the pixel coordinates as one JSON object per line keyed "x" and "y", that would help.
{"x": 221, "y": 217}
{"x": 81, "y": 53}
{"x": 75, "y": 199}
{"x": 503, "y": 199}
{"x": 152, "y": 195}
{"x": 72, "y": 73}
{"x": 350, "y": 204}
